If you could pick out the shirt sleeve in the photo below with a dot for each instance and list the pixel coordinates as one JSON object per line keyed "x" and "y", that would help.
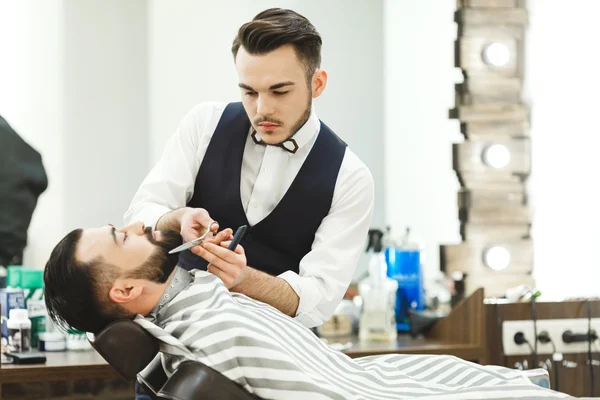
{"x": 170, "y": 184}
{"x": 326, "y": 271}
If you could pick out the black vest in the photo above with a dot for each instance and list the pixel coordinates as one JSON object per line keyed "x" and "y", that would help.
{"x": 278, "y": 242}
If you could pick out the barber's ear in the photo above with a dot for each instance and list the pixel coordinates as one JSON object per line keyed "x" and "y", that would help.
{"x": 123, "y": 291}
{"x": 319, "y": 82}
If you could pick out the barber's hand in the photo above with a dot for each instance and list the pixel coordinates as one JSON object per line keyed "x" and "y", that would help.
{"x": 224, "y": 235}
{"x": 194, "y": 223}
{"x": 229, "y": 265}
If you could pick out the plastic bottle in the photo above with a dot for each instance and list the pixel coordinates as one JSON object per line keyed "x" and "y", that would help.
{"x": 378, "y": 292}
{"x": 404, "y": 266}
{"x": 19, "y": 331}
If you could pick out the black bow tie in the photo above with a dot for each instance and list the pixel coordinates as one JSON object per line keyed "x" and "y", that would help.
{"x": 288, "y": 145}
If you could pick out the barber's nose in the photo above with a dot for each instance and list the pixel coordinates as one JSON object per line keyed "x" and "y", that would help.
{"x": 263, "y": 106}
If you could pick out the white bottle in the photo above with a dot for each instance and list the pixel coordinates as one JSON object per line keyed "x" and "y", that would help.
{"x": 19, "y": 330}
{"x": 378, "y": 292}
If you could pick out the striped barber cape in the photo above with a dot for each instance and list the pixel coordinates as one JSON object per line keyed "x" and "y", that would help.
{"x": 275, "y": 357}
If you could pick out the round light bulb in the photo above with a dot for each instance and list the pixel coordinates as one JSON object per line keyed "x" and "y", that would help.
{"x": 496, "y": 156}
{"x": 496, "y": 54}
{"x": 496, "y": 257}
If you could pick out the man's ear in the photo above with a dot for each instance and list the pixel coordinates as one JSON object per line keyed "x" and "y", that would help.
{"x": 319, "y": 82}
{"x": 124, "y": 291}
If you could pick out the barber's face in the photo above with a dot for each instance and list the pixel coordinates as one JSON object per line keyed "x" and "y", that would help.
{"x": 275, "y": 93}
{"x": 135, "y": 250}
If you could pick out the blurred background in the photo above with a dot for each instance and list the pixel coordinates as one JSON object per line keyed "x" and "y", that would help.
{"x": 97, "y": 88}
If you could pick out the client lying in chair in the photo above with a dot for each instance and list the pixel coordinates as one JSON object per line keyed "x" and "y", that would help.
{"x": 97, "y": 276}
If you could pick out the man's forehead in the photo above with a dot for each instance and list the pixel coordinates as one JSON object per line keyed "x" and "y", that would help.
{"x": 93, "y": 242}
{"x": 276, "y": 66}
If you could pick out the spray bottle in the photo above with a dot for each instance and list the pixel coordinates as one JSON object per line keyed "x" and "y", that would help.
{"x": 404, "y": 266}
{"x": 378, "y": 292}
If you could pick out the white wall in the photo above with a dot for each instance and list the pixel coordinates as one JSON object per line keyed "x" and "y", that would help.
{"x": 106, "y": 108}
{"x": 562, "y": 85}
{"x": 31, "y": 100}
{"x": 73, "y": 84}
{"x": 77, "y": 78}
{"x": 420, "y": 185}
{"x": 191, "y": 62}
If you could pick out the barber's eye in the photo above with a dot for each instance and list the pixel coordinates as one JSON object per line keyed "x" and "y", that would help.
{"x": 281, "y": 93}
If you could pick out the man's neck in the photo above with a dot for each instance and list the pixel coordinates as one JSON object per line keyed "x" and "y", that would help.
{"x": 165, "y": 292}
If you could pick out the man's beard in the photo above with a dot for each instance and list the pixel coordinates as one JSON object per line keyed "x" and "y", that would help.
{"x": 296, "y": 127}
{"x": 160, "y": 264}
{"x": 300, "y": 123}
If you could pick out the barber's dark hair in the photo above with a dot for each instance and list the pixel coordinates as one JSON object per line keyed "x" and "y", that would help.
{"x": 76, "y": 293}
{"x": 277, "y": 27}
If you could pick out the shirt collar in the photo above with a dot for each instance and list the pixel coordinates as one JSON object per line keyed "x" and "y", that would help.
{"x": 305, "y": 134}
{"x": 179, "y": 281}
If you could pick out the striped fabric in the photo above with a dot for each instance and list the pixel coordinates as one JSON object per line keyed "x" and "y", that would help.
{"x": 273, "y": 356}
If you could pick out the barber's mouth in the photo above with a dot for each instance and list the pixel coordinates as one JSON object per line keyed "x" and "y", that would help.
{"x": 268, "y": 127}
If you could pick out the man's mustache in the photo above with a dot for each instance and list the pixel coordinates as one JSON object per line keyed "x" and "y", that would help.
{"x": 260, "y": 120}
{"x": 148, "y": 233}
{"x": 170, "y": 239}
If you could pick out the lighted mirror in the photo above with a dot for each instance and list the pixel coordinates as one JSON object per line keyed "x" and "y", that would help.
{"x": 496, "y": 156}
{"x": 496, "y": 257}
{"x": 496, "y": 54}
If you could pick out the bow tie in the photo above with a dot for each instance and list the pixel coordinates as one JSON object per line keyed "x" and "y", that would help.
{"x": 288, "y": 145}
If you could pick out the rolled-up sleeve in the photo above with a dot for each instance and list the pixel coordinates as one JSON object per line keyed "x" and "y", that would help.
{"x": 326, "y": 271}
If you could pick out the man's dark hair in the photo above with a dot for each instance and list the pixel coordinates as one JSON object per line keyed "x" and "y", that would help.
{"x": 277, "y": 27}
{"x": 74, "y": 291}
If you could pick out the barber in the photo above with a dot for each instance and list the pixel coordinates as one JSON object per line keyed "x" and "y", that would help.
{"x": 269, "y": 163}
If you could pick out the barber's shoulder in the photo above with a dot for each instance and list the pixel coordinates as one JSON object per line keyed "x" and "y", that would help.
{"x": 355, "y": 182}
{"x": 354, "y": 169}
{"x": 207, "y": 110}
{"x": 202, "y": 119}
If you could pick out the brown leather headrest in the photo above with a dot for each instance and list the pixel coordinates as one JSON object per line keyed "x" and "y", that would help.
{"x": 126, "y": 346}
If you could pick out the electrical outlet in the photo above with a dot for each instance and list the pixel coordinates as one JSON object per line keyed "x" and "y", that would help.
{"x": 509, "y": 330}
{"x": 555, "y": 329}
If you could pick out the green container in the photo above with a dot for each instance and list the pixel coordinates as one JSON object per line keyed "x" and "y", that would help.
{"x": 24, "y": 278}
{"x": 38, "y": 316}
{"x": 32, "y": 282}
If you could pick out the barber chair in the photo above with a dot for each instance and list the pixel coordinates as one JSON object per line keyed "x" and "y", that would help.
{"x": 134, "y": 354}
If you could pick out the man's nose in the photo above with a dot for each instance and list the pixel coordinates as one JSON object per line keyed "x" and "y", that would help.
{"x": 263, "y": 106}
{"x": 135, "y": 229}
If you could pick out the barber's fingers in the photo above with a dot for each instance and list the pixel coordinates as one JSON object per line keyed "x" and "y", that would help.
{"x": 225, "y": 234}
{"x": 238, "y": 249}
{"x": 219, "y": 266}
{"x": 224, "y": 253}
{"x": 195, "y": 222}
{"x": 216, "y": 261}
{"x": 227, "y": 278}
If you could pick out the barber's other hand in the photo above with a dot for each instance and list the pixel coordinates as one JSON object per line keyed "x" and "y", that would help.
{"x": 229, "y": 265}
{"x": 225, "y": 234}
{"x": 194, "y": 223}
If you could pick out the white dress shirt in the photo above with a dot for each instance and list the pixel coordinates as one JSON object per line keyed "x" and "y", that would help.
{"x": 267, "y": 173}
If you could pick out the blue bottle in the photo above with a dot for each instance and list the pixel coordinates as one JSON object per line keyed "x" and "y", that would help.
{"x": 404, "y": 265}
